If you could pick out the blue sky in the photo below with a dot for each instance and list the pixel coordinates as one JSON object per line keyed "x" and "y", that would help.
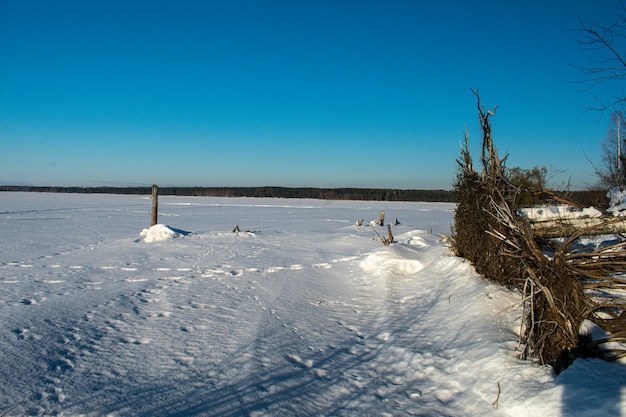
{"x": 291, "y": 93}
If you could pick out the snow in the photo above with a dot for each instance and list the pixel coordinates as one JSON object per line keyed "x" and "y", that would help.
{"x": 617, "y": 201}
{"x": 159, "y": 232}
{"x": 303, "y": 313}
{"x": 556, "y": 212}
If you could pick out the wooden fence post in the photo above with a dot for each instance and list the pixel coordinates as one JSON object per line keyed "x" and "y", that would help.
{"x": 155, "y": 204}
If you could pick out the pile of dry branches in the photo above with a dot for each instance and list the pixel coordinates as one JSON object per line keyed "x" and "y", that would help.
{"x": 560, "y": 291}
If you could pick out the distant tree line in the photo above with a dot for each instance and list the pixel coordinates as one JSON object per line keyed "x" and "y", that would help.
{"x": 369, "y": 194}
{"x": 586, "y": 198}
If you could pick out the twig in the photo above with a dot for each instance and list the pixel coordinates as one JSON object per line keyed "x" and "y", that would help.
{"x": 498, "y": 397}
{"x": 10, "y": 409}
{"x": 383, "y": 239}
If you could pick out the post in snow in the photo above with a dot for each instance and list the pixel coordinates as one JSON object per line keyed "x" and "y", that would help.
{"x": 155, "y": 204}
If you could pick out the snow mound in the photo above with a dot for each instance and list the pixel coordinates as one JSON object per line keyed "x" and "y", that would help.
{"x": 160, "y": 232}
{"x": 393, "y": 260}
{"x": 417, "y": 241}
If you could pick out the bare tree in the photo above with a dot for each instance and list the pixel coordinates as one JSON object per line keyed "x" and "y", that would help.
{"x": 612, "y": 169}
{"x": 608, "y": 45}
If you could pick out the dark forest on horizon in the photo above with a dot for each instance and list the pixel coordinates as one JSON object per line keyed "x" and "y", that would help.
{"x": 366, "y": 194}
{"x": 586, "y": 198}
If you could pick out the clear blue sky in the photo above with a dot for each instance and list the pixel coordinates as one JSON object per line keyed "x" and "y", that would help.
{"x": 325, "y": 93}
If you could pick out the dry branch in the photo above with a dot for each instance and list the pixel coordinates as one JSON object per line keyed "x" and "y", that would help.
{"x": 545, "y": 229}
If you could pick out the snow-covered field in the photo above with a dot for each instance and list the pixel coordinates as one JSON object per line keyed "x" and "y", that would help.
{"x": 305, "y": 315}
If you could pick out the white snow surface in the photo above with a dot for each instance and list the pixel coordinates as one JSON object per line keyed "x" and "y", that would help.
{"x": 159, "y": 232}
{"x": 302, "y": 314}
{"x": 555, "y": 212}
{"x": 617, "y": 201}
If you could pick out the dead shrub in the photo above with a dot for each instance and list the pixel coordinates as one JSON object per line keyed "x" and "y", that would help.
{"x": 501, "y": 246}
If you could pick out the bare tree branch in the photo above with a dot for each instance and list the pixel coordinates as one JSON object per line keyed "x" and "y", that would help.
{"x": 608, "y": 45}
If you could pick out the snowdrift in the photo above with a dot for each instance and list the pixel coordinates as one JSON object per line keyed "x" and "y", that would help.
{"x": 160, "y": 232}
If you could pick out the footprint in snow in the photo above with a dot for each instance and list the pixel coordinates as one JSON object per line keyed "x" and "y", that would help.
{"x": 345, "y": 259}
{"x": 383, "y": 337}
{"x": 32, "y": 301}
{"x": 184, "y": 359}
{"x": 55, "y": 394}
{"x": 272, "y": 269}
{"x": 351, "y": 328}
{"x": 297, "y": 360}
{"x": 26, "y": 333}
{"x": 135, "y": 340}
{"x": 173, "y": 278}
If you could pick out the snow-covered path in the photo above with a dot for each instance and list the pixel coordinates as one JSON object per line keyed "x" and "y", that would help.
{"x": 304, "y": 315}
